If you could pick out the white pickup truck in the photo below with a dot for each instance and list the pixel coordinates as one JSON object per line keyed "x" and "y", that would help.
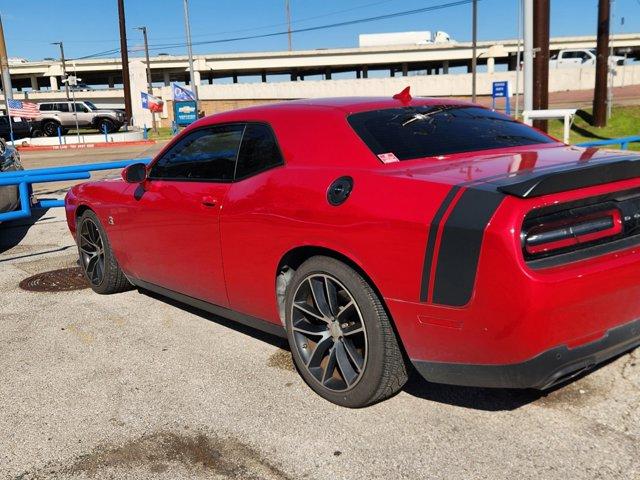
{"x": 580, "y": 58}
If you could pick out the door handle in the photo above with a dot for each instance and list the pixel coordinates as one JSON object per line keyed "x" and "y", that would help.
{"x": 208, "y": 201}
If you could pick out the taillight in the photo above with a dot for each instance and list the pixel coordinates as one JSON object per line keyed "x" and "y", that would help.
{"x": 570, "y": 230}
{"x": 573, "y": 232}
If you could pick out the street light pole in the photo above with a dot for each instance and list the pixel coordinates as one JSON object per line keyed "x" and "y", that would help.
{"x": 64, "y": 68}
{"x": 287, "y": 7}
{"x": 474, "y": 61}
{"x": 187, "y": 27}
{"x": 149, "y": 79}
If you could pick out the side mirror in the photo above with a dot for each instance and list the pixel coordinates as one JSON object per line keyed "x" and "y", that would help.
{"x": 136, "y": 173}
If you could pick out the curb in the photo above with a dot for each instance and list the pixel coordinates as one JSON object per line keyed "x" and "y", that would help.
{"x": 80, "y": 146}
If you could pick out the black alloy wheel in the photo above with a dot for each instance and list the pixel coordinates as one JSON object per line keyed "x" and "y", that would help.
{"x": 92, "y": 252}
{"x": 329, "y": 332}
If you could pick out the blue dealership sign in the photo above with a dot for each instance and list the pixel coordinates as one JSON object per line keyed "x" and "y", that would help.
{"x": 501, "y": 90}
{"x": 185, "y": 113}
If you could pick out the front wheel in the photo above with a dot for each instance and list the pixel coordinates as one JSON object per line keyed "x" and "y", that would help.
{"x": 98, "y": 263}
{"x": 341, "y": 337}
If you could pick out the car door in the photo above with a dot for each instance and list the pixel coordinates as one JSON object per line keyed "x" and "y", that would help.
{"x": 84, "y": 115}
{"x": 63, "y": 114}
{"x": 172, "y": 228}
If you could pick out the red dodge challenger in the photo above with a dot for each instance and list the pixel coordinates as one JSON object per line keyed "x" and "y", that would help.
{"x": 380, "y": 233}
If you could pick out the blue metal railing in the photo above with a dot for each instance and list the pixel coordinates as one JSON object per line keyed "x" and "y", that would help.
{"x": 623, "y": 142}
{"x": 24, "y": 179}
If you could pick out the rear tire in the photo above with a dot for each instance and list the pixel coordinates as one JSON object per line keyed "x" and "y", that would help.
{"x": 340, "y": 335}
{"x": 96, "y": 257}
{"x": 50, "y": 128}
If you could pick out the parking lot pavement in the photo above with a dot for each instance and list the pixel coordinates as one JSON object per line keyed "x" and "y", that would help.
{"x": 134, "y": 386}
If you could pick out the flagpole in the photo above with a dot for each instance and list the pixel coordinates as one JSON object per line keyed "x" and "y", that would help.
{"x": 7, "y": 89}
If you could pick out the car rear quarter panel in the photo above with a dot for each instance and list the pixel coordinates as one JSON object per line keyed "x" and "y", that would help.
{"x": 381, "y": 228}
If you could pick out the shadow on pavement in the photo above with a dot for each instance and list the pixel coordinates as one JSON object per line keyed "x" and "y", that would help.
{"x": 238, "y": 327}
{"x": 12, "y": 233}
{"x": 487, "y": 399}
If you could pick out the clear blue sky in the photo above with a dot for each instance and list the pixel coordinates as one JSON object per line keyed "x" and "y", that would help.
{"x": 91, "y": 26}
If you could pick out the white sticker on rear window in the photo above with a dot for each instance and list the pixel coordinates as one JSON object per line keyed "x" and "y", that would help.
{"x": 388, "y": 158}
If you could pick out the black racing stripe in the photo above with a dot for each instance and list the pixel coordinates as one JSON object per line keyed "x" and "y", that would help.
{"x": 431, "y": 241}
{"x": 460, "y": 246}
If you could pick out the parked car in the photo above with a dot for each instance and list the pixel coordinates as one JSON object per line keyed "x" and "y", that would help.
{"x": 62, "y": 114}
{"x": 580, "y": 58}
{"x": 21, "y": 128}
{"x": 376, "y": 233}
{"x": 9, "y": 162}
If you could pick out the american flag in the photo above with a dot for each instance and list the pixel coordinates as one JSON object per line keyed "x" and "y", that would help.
{"x": 23, "y": 109}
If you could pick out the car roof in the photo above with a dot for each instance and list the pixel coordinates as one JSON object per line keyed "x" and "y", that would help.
{"x": 340, "y": 106}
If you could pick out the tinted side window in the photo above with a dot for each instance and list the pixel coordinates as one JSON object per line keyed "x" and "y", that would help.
{"x": 80, "y": 108}
{"x": 430, "y": 131}
{"x": 259, "y": 151}
{"x": 61, "y": 107}
{"x": 206, "y": 154}
{"x": 45, "y": 107}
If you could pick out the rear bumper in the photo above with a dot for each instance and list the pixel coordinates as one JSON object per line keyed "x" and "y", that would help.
{"x": 541, "y": 372}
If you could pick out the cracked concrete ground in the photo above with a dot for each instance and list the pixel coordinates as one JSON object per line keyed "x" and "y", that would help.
{"x": 134, "y": 386}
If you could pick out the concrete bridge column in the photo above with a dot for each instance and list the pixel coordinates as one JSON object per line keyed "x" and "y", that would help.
{"x": 111, "y": 81}
{"x": 491, "y": 65}
{"x": 34, "y": 83}
{"x": 166, "y": 78}
{"x": 196, "y": 77}
{"x": 54, "y": 83}
{"x": 445, "y": 67}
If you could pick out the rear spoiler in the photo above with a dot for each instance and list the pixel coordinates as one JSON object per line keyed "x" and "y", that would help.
{"x": 570, "y": 177}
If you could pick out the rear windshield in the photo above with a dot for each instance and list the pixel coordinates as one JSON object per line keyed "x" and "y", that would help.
{"x": 435, "y": 130}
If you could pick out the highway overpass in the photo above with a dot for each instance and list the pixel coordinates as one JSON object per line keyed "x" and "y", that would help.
{"x": 325, "y": 64}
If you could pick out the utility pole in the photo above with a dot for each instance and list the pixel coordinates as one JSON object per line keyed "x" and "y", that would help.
{"x": 541, "y": 60}
{"x": 7, "y": 88}
{"x": 528, "y": 55}
{"x": 149, "y": 79}
{"x": 124, "y": 56}
{"x": 287, "y": 7}
{"x": 474, "y": 46}
{"x": 602, "y": 65}
{"x": 65, "y": 77}
{"x": 187, "y": 27}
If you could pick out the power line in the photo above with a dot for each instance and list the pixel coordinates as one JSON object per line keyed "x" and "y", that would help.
{"x": 321, "y": 27}
{"x": 168, "y": 46}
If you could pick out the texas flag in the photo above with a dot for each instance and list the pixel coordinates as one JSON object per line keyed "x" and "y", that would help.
{"x": 151, "y": 103}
